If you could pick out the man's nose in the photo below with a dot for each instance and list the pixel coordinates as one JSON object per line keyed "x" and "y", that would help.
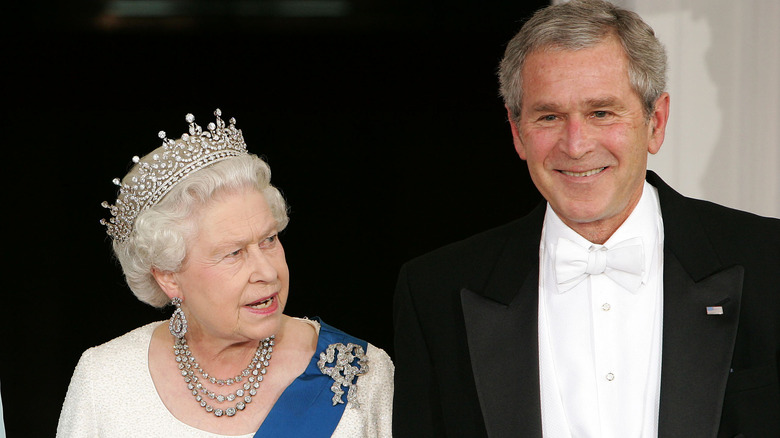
{"x": 576, "y": 140}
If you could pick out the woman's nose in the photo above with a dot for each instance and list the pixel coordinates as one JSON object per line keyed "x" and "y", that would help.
{"x": 262, "y": 268}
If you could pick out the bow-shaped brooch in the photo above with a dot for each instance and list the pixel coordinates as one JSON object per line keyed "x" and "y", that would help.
{"x": 343, "y": 372}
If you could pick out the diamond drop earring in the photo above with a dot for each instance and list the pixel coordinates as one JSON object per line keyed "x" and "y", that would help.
{"x": 178, "y": 322}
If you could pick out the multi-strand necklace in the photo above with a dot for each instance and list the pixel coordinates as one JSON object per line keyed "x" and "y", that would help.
{"x": 253, "y": 373}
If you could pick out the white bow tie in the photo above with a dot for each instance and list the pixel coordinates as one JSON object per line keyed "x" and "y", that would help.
{"x": 623, "y": 263}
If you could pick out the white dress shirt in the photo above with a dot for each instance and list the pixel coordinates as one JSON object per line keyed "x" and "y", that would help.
{"x": 600, "y": 344}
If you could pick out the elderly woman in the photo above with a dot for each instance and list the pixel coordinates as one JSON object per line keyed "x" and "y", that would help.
{"x": 196, "y": 224}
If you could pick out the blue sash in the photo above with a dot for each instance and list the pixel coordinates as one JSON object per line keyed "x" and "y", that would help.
{"x": 306, "y": 408}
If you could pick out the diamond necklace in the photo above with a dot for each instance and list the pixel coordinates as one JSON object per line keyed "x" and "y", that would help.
{"x": 253, "y": 373}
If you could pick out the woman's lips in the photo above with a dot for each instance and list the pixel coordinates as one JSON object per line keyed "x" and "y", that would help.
{"x": 265, "y": 304}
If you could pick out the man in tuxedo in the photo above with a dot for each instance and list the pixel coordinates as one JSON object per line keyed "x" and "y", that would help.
{"x": 618, "y": 307}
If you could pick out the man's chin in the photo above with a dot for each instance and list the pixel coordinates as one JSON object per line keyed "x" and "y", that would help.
{"x": 579, "y": 212}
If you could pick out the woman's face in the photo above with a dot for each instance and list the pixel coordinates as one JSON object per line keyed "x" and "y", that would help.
{"x": 234, "y": 280}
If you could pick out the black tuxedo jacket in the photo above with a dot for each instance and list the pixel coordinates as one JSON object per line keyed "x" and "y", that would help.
{"x": 466, "y": 342}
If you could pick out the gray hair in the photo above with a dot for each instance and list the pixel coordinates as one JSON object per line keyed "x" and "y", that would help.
{"x": 160, "y": 233}
{"x": 580, "y": 24}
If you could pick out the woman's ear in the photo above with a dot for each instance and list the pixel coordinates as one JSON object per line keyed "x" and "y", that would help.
{"x": 167, "y": 282}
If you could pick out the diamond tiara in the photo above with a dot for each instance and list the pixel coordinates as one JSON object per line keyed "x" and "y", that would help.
{"x": 157, "y": 173}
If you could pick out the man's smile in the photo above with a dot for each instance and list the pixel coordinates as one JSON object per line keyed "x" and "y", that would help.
{"x": 585, "y": 173}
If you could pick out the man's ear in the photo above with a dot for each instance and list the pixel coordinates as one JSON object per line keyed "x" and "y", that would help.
{"x": 167, "y": 282}
{"x": 658, "y": 122}
{"x": 516, "y": 139}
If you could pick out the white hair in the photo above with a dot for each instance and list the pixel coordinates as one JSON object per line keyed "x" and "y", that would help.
{"x": 160, "y": 233}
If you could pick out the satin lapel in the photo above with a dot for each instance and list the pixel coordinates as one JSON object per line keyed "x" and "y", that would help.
{"x": 501, "y": 331}
{"x": 503, "y": 344}
{"x": 697, "y": 347}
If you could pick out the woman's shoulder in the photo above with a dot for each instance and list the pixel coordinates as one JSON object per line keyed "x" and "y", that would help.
{"x": 379, "y": 356}
{"x": 370, "y": 412}
{"x": 330, "y": 334}
{"x": 375, "y": 357}
{"x": 130, "y": 344}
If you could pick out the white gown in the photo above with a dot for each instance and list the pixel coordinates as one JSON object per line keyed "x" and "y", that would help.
{"x": 112, "y": 394}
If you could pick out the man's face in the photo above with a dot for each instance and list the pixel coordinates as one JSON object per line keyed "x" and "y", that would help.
{"x": 584, "y": 135}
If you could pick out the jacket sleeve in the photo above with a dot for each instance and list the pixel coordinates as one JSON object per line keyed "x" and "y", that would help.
{"x": 416, "y": 409}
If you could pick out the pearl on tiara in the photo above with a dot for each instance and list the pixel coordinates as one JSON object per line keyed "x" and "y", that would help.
{"x": 159, "y": 173}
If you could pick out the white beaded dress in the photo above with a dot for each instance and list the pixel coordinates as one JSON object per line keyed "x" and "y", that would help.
{"x": 112, "y": 394}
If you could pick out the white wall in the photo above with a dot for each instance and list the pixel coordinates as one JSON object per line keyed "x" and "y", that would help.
{"x": 723, "y": 140}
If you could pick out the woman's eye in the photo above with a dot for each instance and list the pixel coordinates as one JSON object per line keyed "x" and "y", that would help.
{"x": 269, "y": 241}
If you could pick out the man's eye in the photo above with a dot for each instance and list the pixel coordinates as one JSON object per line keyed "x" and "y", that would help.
{"x": 548, "y": 118}
{"x": 234, "y": 253}
{"x": 600, "y": 114}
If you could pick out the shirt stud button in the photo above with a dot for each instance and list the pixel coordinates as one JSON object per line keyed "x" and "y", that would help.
{"x": 605, "y": 307}
{"x": 610, "y": 377}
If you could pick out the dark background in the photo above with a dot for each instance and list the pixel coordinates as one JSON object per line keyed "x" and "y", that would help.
{"x": 380, "y": 119}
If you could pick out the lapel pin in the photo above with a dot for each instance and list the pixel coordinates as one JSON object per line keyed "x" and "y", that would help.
{"x": 714, "y": 310}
